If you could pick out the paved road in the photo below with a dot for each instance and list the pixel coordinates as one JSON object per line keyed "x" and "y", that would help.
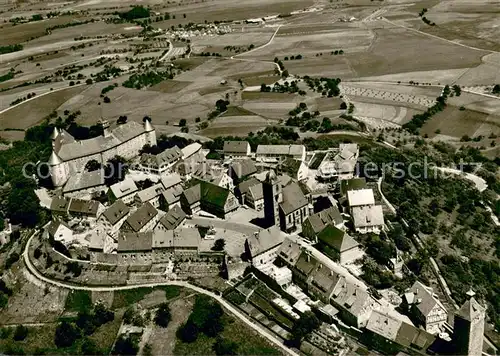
{"x": 261, "y": 330}
{"x": 387, "y": 202}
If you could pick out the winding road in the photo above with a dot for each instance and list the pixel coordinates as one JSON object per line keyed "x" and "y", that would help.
{"x": 258, "y": 328}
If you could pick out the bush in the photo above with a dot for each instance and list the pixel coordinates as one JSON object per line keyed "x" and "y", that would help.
{"x": 20, "y": 333}
{"x": 66, "y": 334}
{"x": 163, "y": 315}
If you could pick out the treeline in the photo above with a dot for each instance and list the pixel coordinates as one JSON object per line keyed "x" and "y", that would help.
{"x": 147, "y": 79}
{"x": 326, "y": 86}
{"x": 419, "y": 120}
{"x": 10, "y": 48}
{"x": 137, "y": 12}
{"x": 48, "y": 30}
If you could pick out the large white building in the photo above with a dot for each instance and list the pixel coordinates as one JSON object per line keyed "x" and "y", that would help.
{"x": 70, "y": 156}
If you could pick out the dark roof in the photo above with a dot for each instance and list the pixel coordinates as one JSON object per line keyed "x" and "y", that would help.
{"x": 242, "y": 168}
{"x": 213, "y": 194}
{"x": 245, "y": 186}
{"x": 168, "y": 156}
{"x": 409, "y": 335}
{"x": 352, "y": 184}
{"x": 87, "y": 207}
{"x": 142, "y": 216}
{"x": 54, "y": 225}
{"x": 193, "y": 194}
{"x": 236, "y": 146}
{"x": 135, "y": 241}
{"x": 116, "y": 211}
{"x": 306, "y": 263}
{"x": 59, "y": 204}
{"x": 264, "y": 240}
{"x": 172, "y": 194}
{"x": 324, "y": 279}
{"x": 289, "y": 251}
{"x": 336, "y": 238}
{"x": 319, "y": 220}
{"x": 173, "y": 218}
{"x": 293, "y": 198}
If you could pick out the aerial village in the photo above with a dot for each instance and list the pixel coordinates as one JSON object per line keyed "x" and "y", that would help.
{"x": 286, "y": 240}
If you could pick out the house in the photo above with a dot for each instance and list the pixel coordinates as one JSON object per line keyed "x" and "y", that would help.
{"x": 250, "y": 193}
{"x": 276, "y": 153}
{"x": 84, "y": 184}
{"x": 85, "y": 208}
{"x": 294, "y": 208}
{"x": 171, "y": 195}
{"x": 179, "y": 241}
{"x": 368, "y": 218}
{"x": 321, "y": 282}
{"x": 241, "y": 169}
{"x": 303, "y": 268}
{"x": 236, "y": 149}
{"x": 211, "y": 172}
{"x": 210, "y": 198}
{"x": 262, "y": 247}
{"x": 143, "y": 219}
{"x": 355, "y": 305}
{"x": 160, "y": 163}
{"x": 425, "y": 307}
{"x": 114, "y": 217}
{"x": 124, "y": 190}
{"x": 59, "y": 206}
{"x": 60, "y": 231}
{"x": 134, "y": 242}
{"x": 339, "y": 164}
{"x": 150, "y": 195}
{"x": 296, "y": 169}
{"x": 289, "y": 252}
{"x": 315, "y": 223}
{"x": 347, "y": 248}
{"x": 172, "y": 219}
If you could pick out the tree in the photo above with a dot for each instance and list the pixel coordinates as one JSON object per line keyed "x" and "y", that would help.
{"x": 221, "y": 105}
{"x": 146, "y": 118}
{"x": 496, "y": 89}
{"x": 115, "y": 170}
{"x": 92, "y": 165}
{"x": 343, "y": 106}
{"x": 66, "y": 334}
{"x": 20, "y": 333}
{"x": 89, "y": 81}
{"x": 188, "y": 332}
{"x": 163, "y": 315}
{"x": 182, "y": 122}
{"x": 224, "y": 347}
{"x": 122, "y": 119}
{"x": 307, "y": 323}
{"x": 126, "y": 345}
{"x": 89, "y": 347}
{"x": 107, "y": 100}
{"x": 219, "y": 245}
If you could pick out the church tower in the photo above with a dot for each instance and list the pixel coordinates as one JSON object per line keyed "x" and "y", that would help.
{"x": 273, "y": 196}
{"x": 150, "y": 133}
{"x": 57, "y": 168}
{"x": 468, "y": 329}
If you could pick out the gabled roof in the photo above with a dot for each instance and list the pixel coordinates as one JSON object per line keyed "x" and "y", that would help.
{"x": 288, "y": 150}
{"x": 193, "y": 194}
{"x": 257, "y": 192}
{"x": 409, "y": 335}
{"x": 289, "y": 251}
{"x": 384, "y": 325}
{"x": 265, "y": 240}
{"x": 59, "y": 204}
{"x": 242, "y": 168}
{"x": 337, "y": 239}
{"x": 169, "y": 156}
{"x": 348, "y": 151}
{"x": 360, "y": 197}
{"x": 319, "y": 220}
{"x": 365, "y": 216}
{"x": 324, "y": 279}
{"x": 172, "y": 194}
{"x": 471, "y": 309}
{"x": 170, "y": 180}
{"x": 123, "y": 188}
{"x": 213, "y": 194}
{"x": 236, "y": 146}
{"x": 246, "y": 186}
{"x": 173, "y": 218}
{"x": 135, "y": 241}
{"x": 424, "y": 299}
{"x": 116, "y": 212}
{"x": 84, "y": 180}
{"x": 87, "y": 207}
{"x": 190, "y": 150}
{"x": 293, "y": 198}
{"x": 306, "y": 263}
{"x": 150, "y": 193}
{"x": 141, "y": 216}
{"x": 187, "y": 237}
{"x": 54, "y": 226}
{"x": 353, "y": 298}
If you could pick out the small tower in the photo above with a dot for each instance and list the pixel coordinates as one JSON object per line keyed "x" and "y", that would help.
{"x": 273, "y": 196}
{"x": 105, "y": 128}
{"x": 468, "y": 329}
{"x": 150, "y": 132}
{"x": 397, "y": 264}
{"x": 58, "y": 170}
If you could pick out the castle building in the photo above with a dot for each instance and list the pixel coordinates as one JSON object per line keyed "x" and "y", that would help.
{"x": 70, "y": 156}
{"x": 468, "y": 329}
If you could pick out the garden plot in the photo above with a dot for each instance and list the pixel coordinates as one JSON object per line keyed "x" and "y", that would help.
{"x": 273, "y": 110}
{"x": 421, "y": 100}
{"x": 324, "y": 66}
{"x": 431, "y": 76}
{"x": 235, "y": 125}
